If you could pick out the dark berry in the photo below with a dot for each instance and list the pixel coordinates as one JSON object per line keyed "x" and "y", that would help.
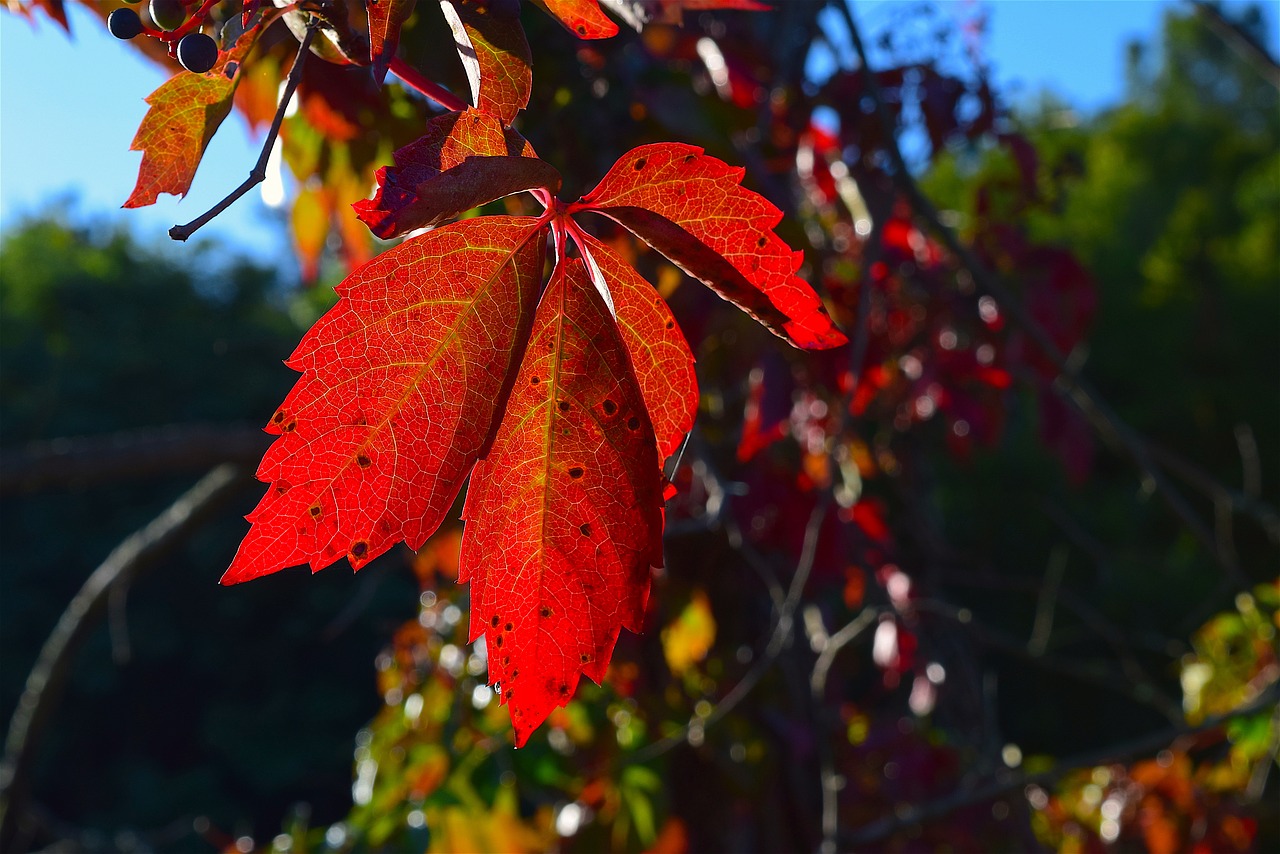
{"x": 124, "y": 24}
{"x": 197, "y": 52}
{"x": 168, "y": 14}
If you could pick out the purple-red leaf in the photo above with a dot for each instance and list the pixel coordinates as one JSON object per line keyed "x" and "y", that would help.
{"x": 564, "y": 513}
{"x": 399, "y": 389}
{"x": 422, "y": 188}
{"x": 692, "y": 208}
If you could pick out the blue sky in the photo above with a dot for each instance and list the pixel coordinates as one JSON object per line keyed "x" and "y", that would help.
{"x": 69, "y": 107}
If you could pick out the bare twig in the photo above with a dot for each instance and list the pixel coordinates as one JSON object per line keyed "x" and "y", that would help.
{"x": 1243, "y": 502}
{"x": 53, "y": 666}
{"x": 1253, "y": 54}
{"x": 782, "y": 630}
{"x": 1076, "y": 389}
{"x": 918, "y": 814}
{"x": 258, "y": 173}
{"x": 80, "y": 461}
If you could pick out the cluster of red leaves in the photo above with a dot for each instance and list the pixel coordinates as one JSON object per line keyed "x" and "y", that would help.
{"x": 456, "y": 355}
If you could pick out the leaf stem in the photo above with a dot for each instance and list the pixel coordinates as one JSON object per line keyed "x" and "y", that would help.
{"x": 259, "y": 172}
{"x": 417, "y": 81}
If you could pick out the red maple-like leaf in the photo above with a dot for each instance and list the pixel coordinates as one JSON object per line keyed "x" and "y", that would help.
{"x": 692, "y": 208}
{"x": 430, "y": 368}
{"x": 494, "y": 53}
{"x": 400, "y": 382}
{"x": 564, "y": 515}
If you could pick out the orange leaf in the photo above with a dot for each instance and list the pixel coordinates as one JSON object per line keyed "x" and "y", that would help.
{"x": 185, "y": 112}
{"x": 494, "y": 53}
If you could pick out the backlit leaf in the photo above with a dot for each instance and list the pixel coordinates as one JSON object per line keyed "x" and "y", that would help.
{"x": 185, "y": 112}
{"x": 583, "y": 18}
{"x": 659, "y": 353}
{"x": 463, "y": 160}
{"x": 400, "y": 383}
{"x": 494, "y": 53}
{"x": 564, "y": 513}
{"x": 692, "y": 208}
{"x": 386, "y": 17}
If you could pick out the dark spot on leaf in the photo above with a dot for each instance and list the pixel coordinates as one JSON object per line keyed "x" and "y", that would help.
{"x": 582, "y": 31}
{"x": 514, "y": 674}
{"x": 230, "y": 69}
{"x": 359, "y": 549}
{"x": 509, "y": 627}
{"x": 535, "y": 380}
{"x": 282, "y": 487}
{"x": 689, "y": 158}
{"x": 363, "y": 461}
{"x": 609, "y": 407}
{"x": 633, "y": 423}
{"x": 584, "y": 658}
{"x": 564, "y": 689}
{"x": 495, "y": 620}
{"x": 498, "y": 641}
{"x": 315, "y": 511}
{"x": 291, "y": 426}
{"x": 506, "y": 659}
{"x": 671, "y": 324}
{"x": 564, "y": 405}
{"x": 544, "y": 612}
{"x": 762, "y": 242}
{"x": 640, "y": 163}
{"x": 278, "y": 417}
{"x": 576, "y": 472}
{"x": 585, "y": 529}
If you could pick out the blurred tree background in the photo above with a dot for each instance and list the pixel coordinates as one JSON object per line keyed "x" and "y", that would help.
{"x": 1032, "y": 641}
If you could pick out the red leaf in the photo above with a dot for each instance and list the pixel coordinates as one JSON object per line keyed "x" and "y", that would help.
{"x": 583, "y": 18}
{"x": 691, "y": 208}
{"x": 564, "y": 514}
{"x": 400, "y": 385}
{"x": 494, "y": 53}
{"x": 660, "y": 355}
{"x": 386, "y": 17}
{"x": 185, "y": 112}
{"x": 464, "y": 160}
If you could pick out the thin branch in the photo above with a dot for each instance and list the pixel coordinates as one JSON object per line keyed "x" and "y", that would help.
{"x": 781, "y": 634}
{"x": 1104, "y": 419}
{"x": 916, "y": 815}
{"x": 80, "y": 461}
{"x": 1243, "y": 502}
{"x": 1252, "y": 53}
{"x": 53, "y": 666}
{"x": 258, "y": 173}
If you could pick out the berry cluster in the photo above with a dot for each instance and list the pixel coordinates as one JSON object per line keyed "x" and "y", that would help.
{"x": 196, "y": 51}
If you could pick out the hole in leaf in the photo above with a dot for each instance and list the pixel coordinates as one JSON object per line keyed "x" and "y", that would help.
{"x": 535, "y": 380}
{"x": 498, "y": 641}
{"x": 582, "y": 31}
{"x": 544, "y": 612}
{"x": 609, "y": 407}
{"x": 359, "y": 549}
{"x": 761, "y": 242}
{"x": 509, "y": 627}
{"x": 506, "y": 659}
{"x": 671, "y": 324}
{"x": 282, "y": 487}
{"x": 315, "y": 511}
{"x": 576, "y": 472}
{"x": 564, "y": 689}
{"x": 363, "y": 461}
{"x": 291, "y": 426}
{"x": 640, "y": 163}
{"x": 494, "y": 621}
{"x": 564, "y": 405}
{"x": 584, "y": 658}
{"x": 278, "y": 417}
{"x": 633, "y": 423}
{"x": 585, "y": 529}
{"x": 689, "y": 158}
